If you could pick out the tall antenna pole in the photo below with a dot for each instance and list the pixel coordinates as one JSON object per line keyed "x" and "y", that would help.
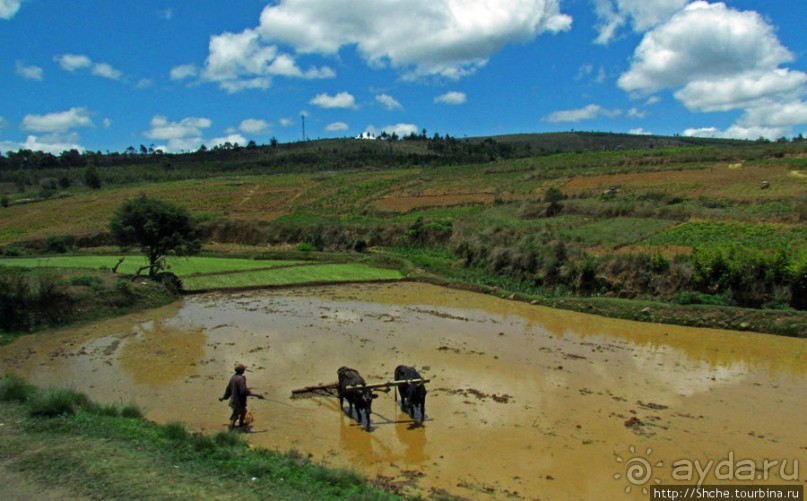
{"x": 303, "y": 118}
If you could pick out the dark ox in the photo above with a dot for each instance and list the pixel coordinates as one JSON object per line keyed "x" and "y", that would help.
{"x": 360, "y": 398}
{"x": 413, "y": 395}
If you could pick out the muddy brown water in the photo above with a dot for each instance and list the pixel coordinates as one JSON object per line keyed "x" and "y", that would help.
{"x": 524, "y": 401}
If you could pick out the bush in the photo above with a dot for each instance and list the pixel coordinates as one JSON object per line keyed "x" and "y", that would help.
{"x": 175, "y": 431}
{"x": 229, "y": 439}
{"x": 691, "y": 297}
{"x": 752, "y": 279}
{"x": 14, "y": 251}
{"x": 15, "y": 389}
{"x": 306, "y": 247}
{"x": 86, "y": 281}
{"x": 58, "y": 402}
{"x": 59, "y": 245}
{"x": 131, "y": 411}
{"x": 798, "y": 287}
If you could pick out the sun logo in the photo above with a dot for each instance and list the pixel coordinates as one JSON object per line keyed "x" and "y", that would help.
{"x": 638, "y": 471}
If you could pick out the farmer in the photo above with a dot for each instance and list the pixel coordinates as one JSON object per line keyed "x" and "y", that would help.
{"x": 238, "y": 391}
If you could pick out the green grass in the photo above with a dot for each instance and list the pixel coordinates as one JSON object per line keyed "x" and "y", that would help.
{"x": 720, "y": 233}
{"x": 204, "y": 273}
{"x": 96, "y": 454}
{"x": 616, "y": 231}
{"x": 181, "y": 266}
{"x": 312, "y": 273}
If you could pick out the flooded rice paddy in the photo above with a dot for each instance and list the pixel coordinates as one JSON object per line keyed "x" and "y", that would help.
{"x": 524, "y": 402}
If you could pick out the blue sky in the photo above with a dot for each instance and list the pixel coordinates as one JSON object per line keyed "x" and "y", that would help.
{"x": 176, "y": 74}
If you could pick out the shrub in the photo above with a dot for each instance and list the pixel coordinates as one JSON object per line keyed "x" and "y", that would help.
{"x": 175, "y": 431}
{"x": 201, "y": 442}
{"x": 59, "y": 245}
{"x": 801, "y": 210}
{"x": 15, "y": 298}
{"x": 798, "y": 286}
{"x": 86, "y": 280}
{"x": 338, "y": 477}
{"x": 131, "y": 411}
{"x": 14, "y": 251}
{"x": 110, "y": 410}
{"x": 15, "y": 389}
{"x": 58, "y": 402}
{"x": 692, "y": 297}
{"x": 306, "y": 247}
{"x": 229, "y": 439}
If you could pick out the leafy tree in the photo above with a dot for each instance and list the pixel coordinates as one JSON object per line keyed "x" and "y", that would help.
{"x": 554, "y": 196}
{"x": 91, "y": 178}
{"x": 158, "y": 228}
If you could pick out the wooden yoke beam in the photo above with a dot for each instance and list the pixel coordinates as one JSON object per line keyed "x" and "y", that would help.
{"x": 386, "y": 384}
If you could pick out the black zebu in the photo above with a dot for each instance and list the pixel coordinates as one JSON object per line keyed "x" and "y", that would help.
{"x": 413, "y": 395}
{"x": 360, "y": 398}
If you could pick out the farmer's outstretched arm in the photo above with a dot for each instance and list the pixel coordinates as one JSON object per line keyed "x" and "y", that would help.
{"x": 227, "y": 393}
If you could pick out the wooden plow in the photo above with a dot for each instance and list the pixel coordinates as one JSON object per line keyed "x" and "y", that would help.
{"x": 327, "y": 388}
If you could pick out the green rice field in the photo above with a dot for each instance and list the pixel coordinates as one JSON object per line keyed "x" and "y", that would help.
{"x": 205, "y": 273}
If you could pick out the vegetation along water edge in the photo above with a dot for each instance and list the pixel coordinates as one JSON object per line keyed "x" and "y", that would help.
{"x": 699, "y": 232}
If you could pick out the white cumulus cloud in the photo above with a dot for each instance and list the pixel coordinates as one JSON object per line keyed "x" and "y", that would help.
{"x": 58, "y": 122}
{"x": 183, "y": 135}
{"x": 75, "y": 62}
{"x": 589, "y": 112}
{"x": 772, "y": 120}
{"x": 336, "y": 126}
{"x": 30, "y": 72}
{"x": 253, "y": 126}
{"x": 233, "y": 139}
{"x": 184, "y": 71}
{"x": 52, "y": 143}
{"x": 719, "y": 59}
{"x": 452, "y": 97}
{"x": 8, "y": 8}
{"x": 239, "y": 61}
{"x": 704, "y": 41}
{"x": 741, "y": 91}
{"x": 450, "y": 38}
{"x": 401, "y": 129}
{"x": 389, "y": 102}
{"x": 189, "y": 127}
{"x": 106, "y": 71}
{"x": 640, "y": 14}
{"x": 340, "y": 100}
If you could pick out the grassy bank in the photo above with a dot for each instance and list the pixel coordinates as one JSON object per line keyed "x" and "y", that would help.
{"x": 429, "y": 268}
{"x": 97, "y": 293}
{"x": 201, "y": 273}
{"x": 58, "y": 442}
{"x": 37, "y": 298}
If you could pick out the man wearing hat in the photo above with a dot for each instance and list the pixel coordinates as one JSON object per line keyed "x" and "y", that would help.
{"x": 238, "y": 391}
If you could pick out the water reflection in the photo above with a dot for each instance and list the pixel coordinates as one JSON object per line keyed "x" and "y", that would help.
{"x": 546, "y": 393}
{"x": 160, "y": 353}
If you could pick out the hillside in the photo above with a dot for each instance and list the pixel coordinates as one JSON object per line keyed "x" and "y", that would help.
{"x": 674, "y": 219}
